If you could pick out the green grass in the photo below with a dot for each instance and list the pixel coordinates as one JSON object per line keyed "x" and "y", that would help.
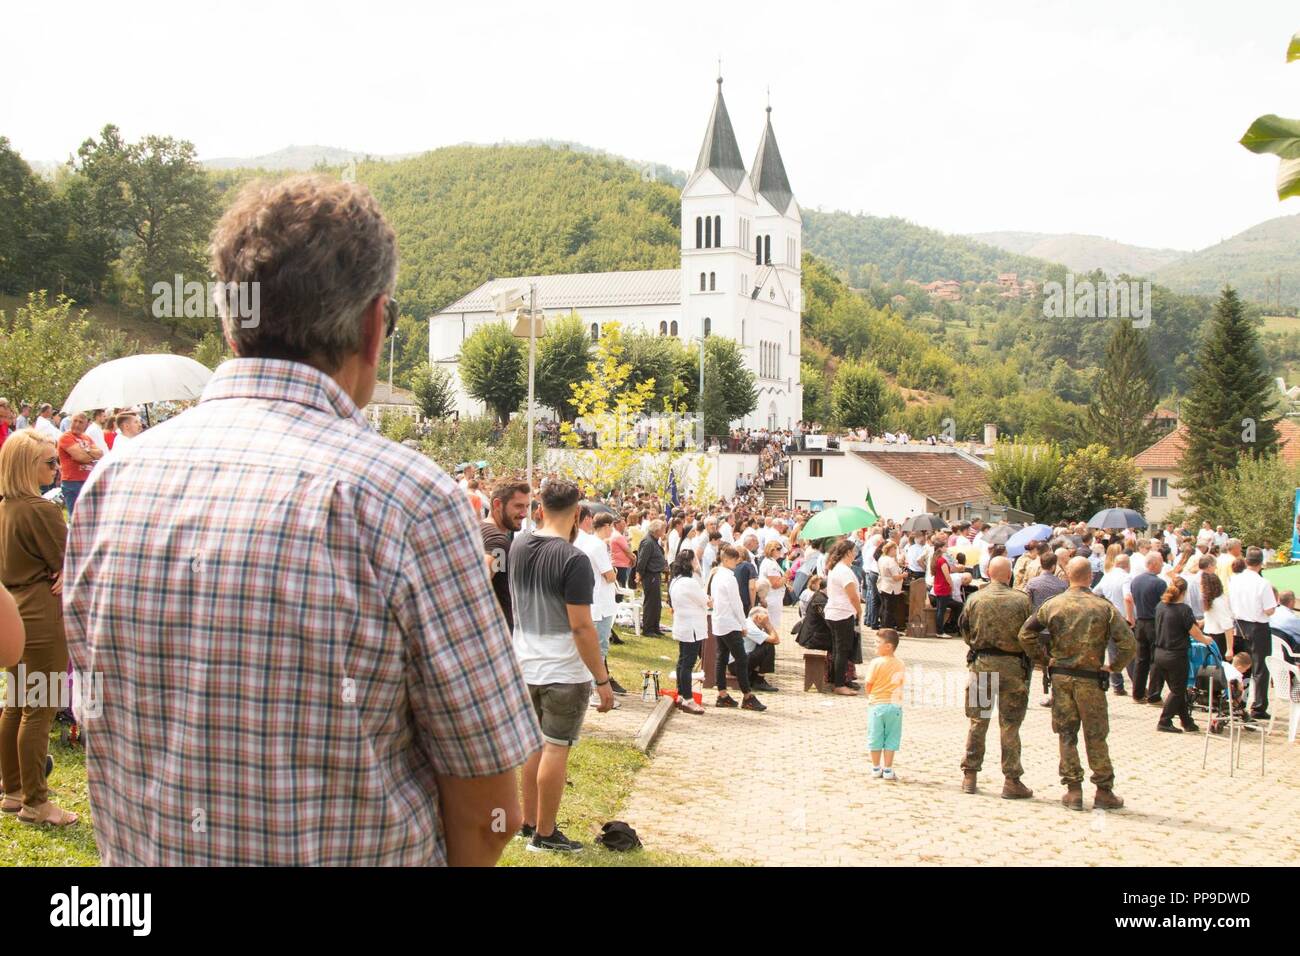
{"x": 600, "y": 779}
{"x": 23, "y": 845}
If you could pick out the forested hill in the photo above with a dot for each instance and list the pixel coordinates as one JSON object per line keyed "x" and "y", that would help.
{"x": 465, "y": 214}
{"x": 898, "y": 249}
{"x": 1251, "y": 261}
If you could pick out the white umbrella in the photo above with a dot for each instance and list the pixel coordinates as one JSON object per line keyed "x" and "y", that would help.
{"x": 137, "y": 380}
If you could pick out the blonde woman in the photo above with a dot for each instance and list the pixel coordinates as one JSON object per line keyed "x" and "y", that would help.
{"x": 32, "y": 539}
{"x": 1112, "y": 552}
{"x": 771, "y": 573}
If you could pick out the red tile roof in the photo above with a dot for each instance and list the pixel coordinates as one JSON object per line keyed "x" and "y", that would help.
{"x": 943, "y": 477}
{"x": 1167, "y": 453}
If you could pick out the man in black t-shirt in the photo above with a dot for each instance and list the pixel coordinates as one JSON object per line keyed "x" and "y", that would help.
{"x": 508, "y": 507}
{"x": 746, "y": 571}
{"x": 555, "y": 643}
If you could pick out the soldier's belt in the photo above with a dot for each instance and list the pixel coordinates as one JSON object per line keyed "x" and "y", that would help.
{"x": 1098, "y": 676}
{"x": 998, "y": 652}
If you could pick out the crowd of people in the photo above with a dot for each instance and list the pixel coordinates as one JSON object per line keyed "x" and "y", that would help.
{"x": 281, "y": 598}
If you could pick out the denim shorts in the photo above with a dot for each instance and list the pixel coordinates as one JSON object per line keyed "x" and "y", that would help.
{"x": 884, "y": 726}
{"x": 561, "y": 709}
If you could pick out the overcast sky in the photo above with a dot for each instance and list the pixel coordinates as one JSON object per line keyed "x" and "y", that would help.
{"x": 1116, "y": 119}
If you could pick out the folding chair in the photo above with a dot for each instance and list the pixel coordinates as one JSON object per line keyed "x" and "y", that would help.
{"x": 1284, "y": 685}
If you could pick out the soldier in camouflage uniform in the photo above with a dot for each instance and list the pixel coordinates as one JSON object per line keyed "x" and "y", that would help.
{"x": 990, "y": 625}
{"x": 1069, "y": 635}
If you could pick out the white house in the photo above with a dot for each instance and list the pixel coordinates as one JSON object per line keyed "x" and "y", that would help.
{"x": 904, "y": 480}
{"x": 741, "y": 243}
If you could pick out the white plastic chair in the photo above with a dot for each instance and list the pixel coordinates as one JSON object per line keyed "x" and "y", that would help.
{"x": 1284, "y": 685}
{"x": 1234, "y": 724}
{"x": 627, "y": 612}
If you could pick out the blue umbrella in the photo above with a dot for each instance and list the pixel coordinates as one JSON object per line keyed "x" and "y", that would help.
{"x": 1035, "y": 532}
{"x": 1111, "y": 518}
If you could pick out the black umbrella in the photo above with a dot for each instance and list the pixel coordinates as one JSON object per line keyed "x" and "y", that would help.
{"x": 1117, "y": 518}
{"x": 1073, "y": 540}
{"x": 1000, "y": 534}
{"x": 597, "y": 507}
{"x": 925, "y": 522}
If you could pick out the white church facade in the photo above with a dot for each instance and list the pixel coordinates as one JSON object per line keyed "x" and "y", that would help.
{"x": 741, "y": 242}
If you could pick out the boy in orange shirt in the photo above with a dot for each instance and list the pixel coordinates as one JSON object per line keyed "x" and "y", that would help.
{"x": 884, "y": 686}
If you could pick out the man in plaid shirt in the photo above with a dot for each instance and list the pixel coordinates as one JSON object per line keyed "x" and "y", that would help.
{"x": 301, "y": 658}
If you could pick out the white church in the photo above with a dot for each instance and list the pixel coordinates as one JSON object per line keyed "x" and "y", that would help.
{"x": 740, "y": 277}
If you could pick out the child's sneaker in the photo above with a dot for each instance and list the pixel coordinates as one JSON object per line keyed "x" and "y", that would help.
{"x": 888, "y": 774}
{"x": 876, "y": 773}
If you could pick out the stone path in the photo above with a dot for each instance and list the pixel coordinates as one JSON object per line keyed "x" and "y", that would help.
{"x": 792, "y": 786}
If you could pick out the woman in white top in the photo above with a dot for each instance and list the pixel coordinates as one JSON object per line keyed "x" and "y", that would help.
{"x": 770, "y": 571}
{"x": 690, "y": 626}
{"x": 729, "y": 631}
{"x": 890, "y": 582}
{"x": 1219, "y": 623}
{"x": 843, "y": 609}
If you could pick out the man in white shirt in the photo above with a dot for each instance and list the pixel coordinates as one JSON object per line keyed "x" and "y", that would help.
{"x": 95, "y": 429}
{"x": 1286, "y": 620}
{"x": 45, "y": 423}
{"x": 1220, "y": 537}
{"x": 871, "y": 572}
{"x": 1253, "y": 604}
{"x": 760, "y": 646}
{"x": 1205, "y": 537}
{"x": 593, "y": 540}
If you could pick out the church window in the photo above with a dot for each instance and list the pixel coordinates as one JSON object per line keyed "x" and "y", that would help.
{"x": 717, "y": 231}
{"x": 595, "y": 332}
{"x": 758, "y": 251}
{"x": 713, "y": 281}
{"x": 708, "y": 232}
{"x": 663, "y": 328}
{"x": 708, "y": 326}
{"x": 767, "y": 250}
{"x": 674, "y": 327}
{"x": 701, "y": 281}
{"x": 699, "y": 232}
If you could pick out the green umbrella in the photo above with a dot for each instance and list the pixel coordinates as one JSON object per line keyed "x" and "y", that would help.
{"x": 1285, "y": 578}
{"x": 834, "y": 522}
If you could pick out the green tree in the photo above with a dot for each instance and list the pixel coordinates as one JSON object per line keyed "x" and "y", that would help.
{"x": 433, "y": 392}
{"x": 1024, "y": 477}
{"x": 1124, "y": 397}
{"x": 212, "y": 350}
{"x": 1092, "y": 478}
{"x": 657, "y": 359}
{"x": 1255, "y": 501}
{"x": 724, "y": 372}
{"x": 862, "y": 398}
{"x": 32, "y": 226}
{"x": 815, "y": 396}
{"x": 46, "y": 350}
{"x": 562, "y": 357}
{"x": 155, "y": 194}
{"x": 494, "y": 369}
{"x": 1230, "y": 405}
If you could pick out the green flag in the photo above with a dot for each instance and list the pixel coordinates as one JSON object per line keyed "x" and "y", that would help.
{"x": 871, "y": 505}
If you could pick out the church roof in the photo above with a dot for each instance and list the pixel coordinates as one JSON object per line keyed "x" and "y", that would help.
{"x": 768, "y": 178}
{"x": 581, "y": 290}
{"x": 720, "y": 153}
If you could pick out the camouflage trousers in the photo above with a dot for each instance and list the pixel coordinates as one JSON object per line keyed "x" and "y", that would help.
{"x": 995, "y": 681}
{"x": 1081, "y": 703}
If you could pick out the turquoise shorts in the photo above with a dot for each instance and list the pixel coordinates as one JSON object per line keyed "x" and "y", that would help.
{"x": 884, "y": 726}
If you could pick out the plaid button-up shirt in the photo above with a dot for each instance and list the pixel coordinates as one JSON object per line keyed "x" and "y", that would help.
{"x": 293, "y": 630}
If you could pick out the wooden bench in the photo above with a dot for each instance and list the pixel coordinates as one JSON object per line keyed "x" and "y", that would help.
{"x": 814, "y": 671}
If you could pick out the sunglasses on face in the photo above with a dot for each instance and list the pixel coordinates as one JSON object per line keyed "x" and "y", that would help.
{"x": 391, "y": 309}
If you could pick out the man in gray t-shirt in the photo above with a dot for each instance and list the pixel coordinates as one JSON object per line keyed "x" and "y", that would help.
{"x": 551, "y": 585}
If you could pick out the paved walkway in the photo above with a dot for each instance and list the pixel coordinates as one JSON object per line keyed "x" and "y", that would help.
{"x": 792, "y": 786}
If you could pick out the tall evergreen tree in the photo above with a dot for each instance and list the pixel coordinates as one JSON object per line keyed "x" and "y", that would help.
{"x": 1125, "y": 395}
{"x": 1230, "y": 408}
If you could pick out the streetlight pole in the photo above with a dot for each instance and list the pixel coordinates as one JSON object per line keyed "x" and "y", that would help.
{"x": 391, "y": 342}
{"x": 704, "y": 439}
{"x": 532, "y": 366}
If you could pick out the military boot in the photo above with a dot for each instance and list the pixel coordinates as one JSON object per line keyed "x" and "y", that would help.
{"x": 968, "y": 782}
{"x": 1107, "y": 799}
{"x": 1073, "y": 798}
{"x": 1013, "y": 789}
